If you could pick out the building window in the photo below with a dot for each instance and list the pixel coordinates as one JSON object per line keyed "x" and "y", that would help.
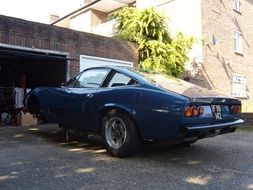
{"x": 238, "y": 42}
{"x": 237, "y": 5}
{"x": 239, "y": 86}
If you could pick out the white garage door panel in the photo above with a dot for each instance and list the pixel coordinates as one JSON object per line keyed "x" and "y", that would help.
{"x": 90, "y": 61}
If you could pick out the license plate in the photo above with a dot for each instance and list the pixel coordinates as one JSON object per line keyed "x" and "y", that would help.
{"x": 217, "y": 113}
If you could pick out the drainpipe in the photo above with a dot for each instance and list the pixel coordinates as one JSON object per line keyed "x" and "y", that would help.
{"x": 80, "y": 9}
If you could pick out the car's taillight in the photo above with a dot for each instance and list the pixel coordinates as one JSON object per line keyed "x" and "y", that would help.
{"x": 193, "y": 111}
{"x": 236, "y": 109}
{"x": 188, "y": 111}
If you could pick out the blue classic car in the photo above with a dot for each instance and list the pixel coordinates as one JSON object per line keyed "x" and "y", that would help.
{"x": 127, "y": 108}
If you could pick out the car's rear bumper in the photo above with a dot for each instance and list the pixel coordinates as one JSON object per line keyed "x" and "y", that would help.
{"x": 214, "y": 126}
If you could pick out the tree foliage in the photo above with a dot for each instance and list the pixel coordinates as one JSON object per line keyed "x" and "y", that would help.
{"x": 158, "y": 50}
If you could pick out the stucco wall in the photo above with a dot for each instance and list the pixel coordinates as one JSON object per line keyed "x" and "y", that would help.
{"x": 81, "y": 22}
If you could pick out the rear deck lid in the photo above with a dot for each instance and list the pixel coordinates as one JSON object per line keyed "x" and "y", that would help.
{"x": 194, "y": 92}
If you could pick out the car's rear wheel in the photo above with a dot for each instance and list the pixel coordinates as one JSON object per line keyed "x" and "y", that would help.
{"x": 120, "y": 135}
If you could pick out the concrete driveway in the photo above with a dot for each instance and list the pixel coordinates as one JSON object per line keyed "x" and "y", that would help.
{"x": 37, "y": 158}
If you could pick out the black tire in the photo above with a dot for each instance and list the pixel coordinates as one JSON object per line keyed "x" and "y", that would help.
{"x": 33, "y": 105}
{"x": 120, "y": 135}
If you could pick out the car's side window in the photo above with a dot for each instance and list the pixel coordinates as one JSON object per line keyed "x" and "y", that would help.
{"x": 119, "y": 79}
{"x": 92, "y": 78}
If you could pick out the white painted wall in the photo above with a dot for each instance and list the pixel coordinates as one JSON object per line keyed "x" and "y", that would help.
{"x": 183, "y": 16}
{"x": 142, "y": 4}
{"x": 81, "y": 22}
{"x": 90, "y": 61}
{"x": 105, "y": 29}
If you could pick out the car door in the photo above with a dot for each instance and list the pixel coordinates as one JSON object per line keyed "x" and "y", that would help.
{"x": 59, "y": 106}
{"x": 80, "y": 98}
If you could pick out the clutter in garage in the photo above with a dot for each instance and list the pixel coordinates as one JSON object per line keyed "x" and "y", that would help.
{"x": 20, "y": 72}
{"x": 11, "y": 103}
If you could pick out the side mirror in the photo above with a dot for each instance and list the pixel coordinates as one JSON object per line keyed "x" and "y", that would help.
{"x": 63, "y": 84}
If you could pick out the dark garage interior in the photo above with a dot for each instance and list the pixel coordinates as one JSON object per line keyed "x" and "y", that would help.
{"x": 38, "y": 68}
{"x": 21, "y": 71}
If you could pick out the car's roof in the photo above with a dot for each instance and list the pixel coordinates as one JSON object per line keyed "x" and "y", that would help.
{"x": 164, "y": 83}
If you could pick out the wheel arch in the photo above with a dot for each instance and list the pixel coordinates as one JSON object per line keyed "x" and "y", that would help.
{"x": 33, "y": 104}
{"x": 104, "y": 110}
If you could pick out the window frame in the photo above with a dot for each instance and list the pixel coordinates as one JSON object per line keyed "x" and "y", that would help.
{"x": 94, "y": 69}
{"x": 237, "y": 6}
{"x": 238, "y": 39}
{"x": 113, "y": 73}
{"x": 242, "y": 83}
{"x": 77, "y": 77}
{"x": 72, "y": 80}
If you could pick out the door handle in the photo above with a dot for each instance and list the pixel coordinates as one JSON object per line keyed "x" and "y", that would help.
{"x": 89, "y": 95}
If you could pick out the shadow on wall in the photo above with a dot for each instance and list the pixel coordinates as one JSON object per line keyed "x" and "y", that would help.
{"x": 198, "y": 75}
{"x": 239, "y": 28}
{"x": 234, "y": 19}
{"x": 225, "y": 66}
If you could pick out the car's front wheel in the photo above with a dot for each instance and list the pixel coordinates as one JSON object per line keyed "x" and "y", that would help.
{"x": 120, "y": 135}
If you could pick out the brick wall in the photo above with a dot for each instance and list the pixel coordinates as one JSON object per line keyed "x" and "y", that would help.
{"x": 219, "y": 21}
{"x": 19, "y": 32}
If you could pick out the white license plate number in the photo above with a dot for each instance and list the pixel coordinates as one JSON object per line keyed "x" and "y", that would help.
{"x": 217, "y": 112}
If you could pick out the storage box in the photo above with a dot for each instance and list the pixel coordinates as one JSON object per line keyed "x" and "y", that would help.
{"x": 28, "y": 120}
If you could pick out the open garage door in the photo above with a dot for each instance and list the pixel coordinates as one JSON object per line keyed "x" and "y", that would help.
{"x": 21, "y": 70}
{"x": 90, "y": 61}
{"x": 39, "y": 68}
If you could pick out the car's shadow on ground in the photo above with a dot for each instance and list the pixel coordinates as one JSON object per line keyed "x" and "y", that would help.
{"x": 54, "y": 135}
{"x": 150, "y": 151}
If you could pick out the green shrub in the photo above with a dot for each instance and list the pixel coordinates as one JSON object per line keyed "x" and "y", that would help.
{"x": 158, "y": 50}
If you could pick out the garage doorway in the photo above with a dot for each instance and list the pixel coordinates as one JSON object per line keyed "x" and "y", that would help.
{"x": 90, "y": 61}
{"x": 40, "y": 68}
{"x": 21, "y": 70}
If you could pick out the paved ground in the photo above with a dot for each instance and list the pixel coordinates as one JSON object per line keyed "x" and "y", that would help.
{"x": 32, "y": 158}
